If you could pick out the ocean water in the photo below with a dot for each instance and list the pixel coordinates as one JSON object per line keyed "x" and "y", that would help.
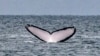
{"x": 15, "y": 40}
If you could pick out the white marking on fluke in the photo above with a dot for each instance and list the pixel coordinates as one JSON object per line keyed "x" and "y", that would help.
{"x": 56, "y": 36}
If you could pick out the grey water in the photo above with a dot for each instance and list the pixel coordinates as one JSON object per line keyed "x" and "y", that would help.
{"x": 15, "y": 40}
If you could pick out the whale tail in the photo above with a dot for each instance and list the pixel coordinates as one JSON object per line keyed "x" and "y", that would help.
{"x": 56, "y": 36}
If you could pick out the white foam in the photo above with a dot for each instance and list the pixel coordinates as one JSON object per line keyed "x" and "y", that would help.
{"x": 16, "y": 35}
{"x": 90, "y": 36}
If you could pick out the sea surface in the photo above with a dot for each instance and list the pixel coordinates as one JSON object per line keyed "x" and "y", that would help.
{"x": 15, "y": 40}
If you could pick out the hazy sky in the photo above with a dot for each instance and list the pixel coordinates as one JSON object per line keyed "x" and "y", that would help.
{"x": 49, "y": 7}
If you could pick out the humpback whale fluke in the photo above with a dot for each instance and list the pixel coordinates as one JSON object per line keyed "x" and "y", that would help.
{"x": 56, "y": 36}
